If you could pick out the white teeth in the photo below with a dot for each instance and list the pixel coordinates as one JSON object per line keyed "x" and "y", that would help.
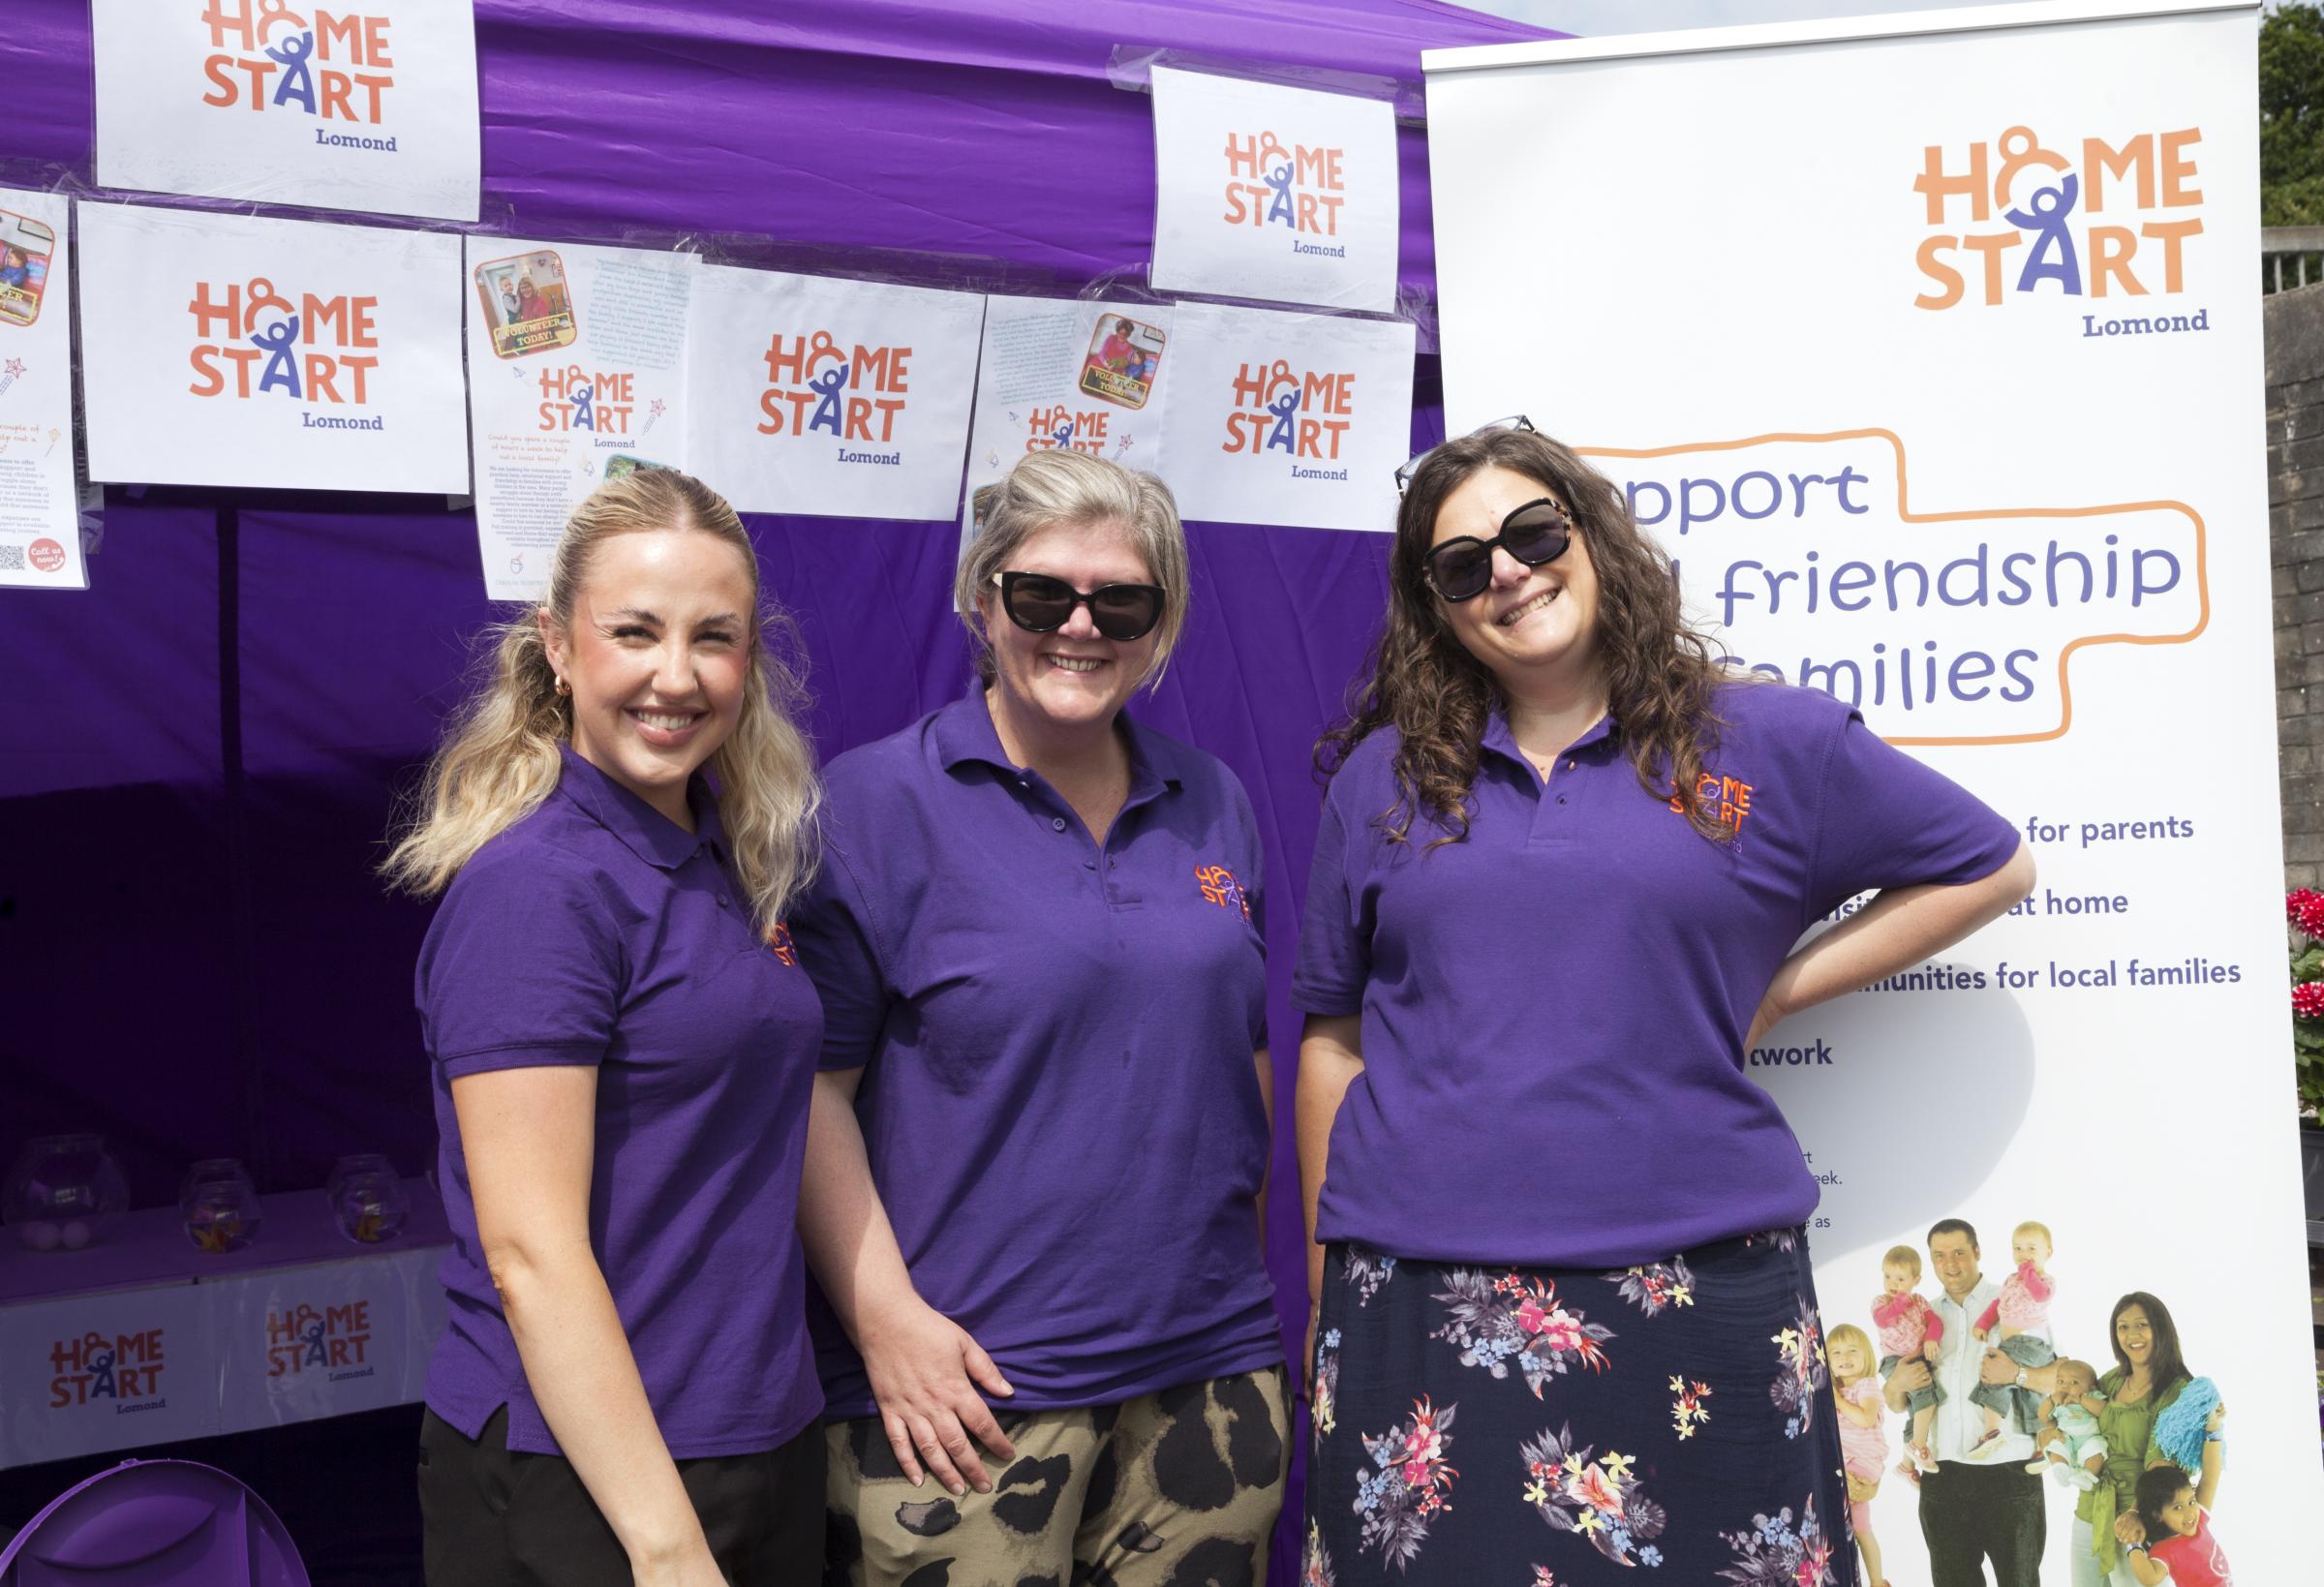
{"x": 1076, "y": 663}
{"x": 668, "y": 724}
{"x": 1533, "y": 605}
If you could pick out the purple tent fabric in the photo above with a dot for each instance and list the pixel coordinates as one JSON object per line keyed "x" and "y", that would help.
{"x": 197, "y": 758}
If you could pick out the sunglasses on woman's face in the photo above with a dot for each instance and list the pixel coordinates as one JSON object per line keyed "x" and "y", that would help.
{"x": 1038, "y": 603}
{"x": 1462, "y": 569}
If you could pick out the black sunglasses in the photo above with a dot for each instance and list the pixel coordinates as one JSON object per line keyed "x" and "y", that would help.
{"x": 1462, "y": 569}
{"x": 1038, "y": 603}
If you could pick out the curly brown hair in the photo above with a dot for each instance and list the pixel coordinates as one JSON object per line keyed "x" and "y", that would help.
{"x": 1659, "y": 674}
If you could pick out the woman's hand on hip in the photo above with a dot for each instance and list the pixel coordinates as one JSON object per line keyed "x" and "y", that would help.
{"x": 926, "y": 1372}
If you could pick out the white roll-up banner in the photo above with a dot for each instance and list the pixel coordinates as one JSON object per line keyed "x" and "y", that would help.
{"x": 1928, "y": 347}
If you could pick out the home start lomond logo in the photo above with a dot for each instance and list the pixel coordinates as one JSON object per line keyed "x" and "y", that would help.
{"x": 599, "y": 402}
{"x": 252, "y": 342}
{"x": 1280, "y": 412}
{"x": 854, "y": 393}
{"x": 1218, "y": 886}
{"x": 1295, "y": 187}
{"x": 2110, "y": 219}
{"x": 1726, "y": 799}
{"x": 335, "y": 1340}
{"x": 123, "y": 1370}
{"x": 1075, "y": 430}
{"x": 335, "y": 67}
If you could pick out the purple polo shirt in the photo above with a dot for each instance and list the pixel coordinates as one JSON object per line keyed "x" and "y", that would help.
{"x": 1554, "y": 1008}
{"x": 597, "y": 932}
{"x": 1058, "y": 1099}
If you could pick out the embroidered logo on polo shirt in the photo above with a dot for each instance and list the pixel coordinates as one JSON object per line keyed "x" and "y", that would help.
{"x": 1728, "y": 799}
{"x": 1219, "y": 887}
{"x": 779, "y": 940}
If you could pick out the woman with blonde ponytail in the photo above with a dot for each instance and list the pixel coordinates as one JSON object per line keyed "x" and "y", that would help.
{"x": 623, "y": 1047}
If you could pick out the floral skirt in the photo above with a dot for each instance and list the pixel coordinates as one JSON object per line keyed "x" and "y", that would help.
{"x": 1556, "y": 1427}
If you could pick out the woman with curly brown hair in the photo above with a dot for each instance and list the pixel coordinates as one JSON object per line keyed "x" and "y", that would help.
{"x": 1565, "y": 864}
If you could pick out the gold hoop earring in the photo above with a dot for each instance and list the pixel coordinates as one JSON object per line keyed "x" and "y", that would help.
{"x": 562, "y": 688}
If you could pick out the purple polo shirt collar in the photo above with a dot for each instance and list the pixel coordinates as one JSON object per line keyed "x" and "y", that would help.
{"x": 643, "y": 830}
{"x": 964, "y": 732}
{"x": 1501, "y": 742}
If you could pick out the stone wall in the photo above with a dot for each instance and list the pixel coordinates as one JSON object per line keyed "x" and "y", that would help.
{"x": 2295, "y": 352}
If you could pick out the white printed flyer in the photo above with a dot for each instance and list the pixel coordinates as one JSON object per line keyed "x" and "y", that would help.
{"x": 576, "y": 374}
{"x": 1062, "y": 372}
{"x": 40, "y": 529}
{"x": 1289, "y": 418}
{"x": 369, "y": 106}
{"x": 831, "y": 398}
{"x": 1288, "y": 194}
{"x": 222, "y": 349}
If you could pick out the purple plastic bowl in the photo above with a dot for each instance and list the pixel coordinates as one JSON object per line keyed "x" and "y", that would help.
{"x": 154, "y": 1523}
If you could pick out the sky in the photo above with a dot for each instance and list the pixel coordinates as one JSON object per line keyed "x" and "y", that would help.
{"x": 1594, "y": 19}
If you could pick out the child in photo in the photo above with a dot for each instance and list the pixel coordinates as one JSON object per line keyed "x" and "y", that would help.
{"x": 2069, "y": 1446}
{"x": 1863, "y": 1440}
{"x": 1910, "y": 1328}
{"x": 2021, "y": 1313}
{"x": 2170, "y": 1534}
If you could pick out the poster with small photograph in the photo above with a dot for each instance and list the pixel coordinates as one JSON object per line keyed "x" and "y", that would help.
{"x": 526, "y": 303}
{"x": 1124, "y": 354}
{"x": 25, "y": 247}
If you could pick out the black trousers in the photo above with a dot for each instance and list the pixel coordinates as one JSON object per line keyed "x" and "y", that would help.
{"x": 1971, "y": 1514}
{"x": 495, "y": 1518}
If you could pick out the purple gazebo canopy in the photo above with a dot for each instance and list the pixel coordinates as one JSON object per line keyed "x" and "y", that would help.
{"x": 199, "y": 753}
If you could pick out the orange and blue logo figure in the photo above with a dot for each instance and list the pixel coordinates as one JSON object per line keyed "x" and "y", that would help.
{"x": 1219, "y": 887}
{"x": 779, "y": 939}
{"x": 1728, "y": 799}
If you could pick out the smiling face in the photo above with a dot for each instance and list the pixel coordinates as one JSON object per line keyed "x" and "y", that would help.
{"x": 1955, "y": 1259}
{"x": 657, "y": 652}
{"x": 2182, "y": 1513}
{"x": 1531, "y": 625}
{"x": 1847, "y": 1359}
{"x": 2134, "y": 1334}
{"x": 1074, "y": 679}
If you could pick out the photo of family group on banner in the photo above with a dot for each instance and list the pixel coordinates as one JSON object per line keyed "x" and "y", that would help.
{"x": 1529, "y": 831}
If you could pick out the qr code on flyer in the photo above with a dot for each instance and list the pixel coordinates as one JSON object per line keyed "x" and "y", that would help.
{"x": 12, "y": 559}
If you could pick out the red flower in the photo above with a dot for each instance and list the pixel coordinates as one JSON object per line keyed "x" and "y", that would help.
{"x": 2307, "y": 999}
{"x": 2304, "y": 907}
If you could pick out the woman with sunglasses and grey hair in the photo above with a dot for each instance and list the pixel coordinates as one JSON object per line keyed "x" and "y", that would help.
{"x": 1564, "y": 863}
{"x": 1040, "y": 1133}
